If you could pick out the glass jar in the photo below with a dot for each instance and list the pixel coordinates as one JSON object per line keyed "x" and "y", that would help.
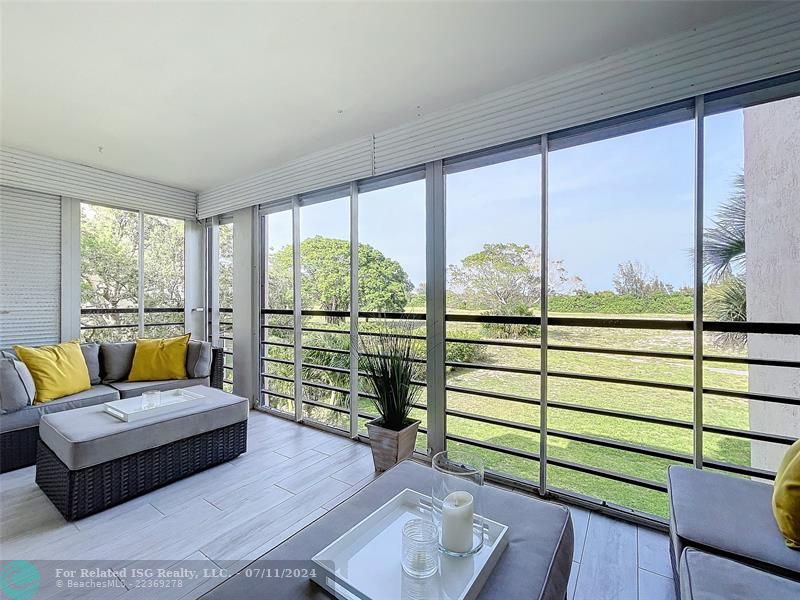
{"x": 420, "y": 543}
{"x": 151, "y": 400}
{"x": 456, "y": 496}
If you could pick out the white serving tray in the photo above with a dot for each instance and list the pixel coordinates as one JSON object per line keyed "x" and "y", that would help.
{"x": 132, "y": 409}
{"x": 364, "y": 563}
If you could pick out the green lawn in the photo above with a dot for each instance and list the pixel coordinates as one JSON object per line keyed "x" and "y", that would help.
{"x": 642, "y": 400}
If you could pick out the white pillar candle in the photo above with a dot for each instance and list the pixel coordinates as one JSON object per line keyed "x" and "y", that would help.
{"x": 457, "y": 513}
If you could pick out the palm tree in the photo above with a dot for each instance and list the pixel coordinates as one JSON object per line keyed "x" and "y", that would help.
{"x": 335, "y": 369}
{"x": 724, "y": 263}
{"x": 723, "y": 244}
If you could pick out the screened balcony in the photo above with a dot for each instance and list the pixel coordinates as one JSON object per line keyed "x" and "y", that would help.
{"x": 584, "y": 385}
{"x": 586, "y": 228}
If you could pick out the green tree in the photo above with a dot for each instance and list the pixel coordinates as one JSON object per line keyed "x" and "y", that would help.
{"x": 383, "y": 285}
{"x": 724, "y": 263}
{"x": 226, "y": 265}
{"x": 633, "y": 279}
{"x": 109, "y": 258}
{"x": 504, "y": 279}
{"x": 110, "y": 268}
{"x": 724, "y": 241}
{"x": 163, "y": 262}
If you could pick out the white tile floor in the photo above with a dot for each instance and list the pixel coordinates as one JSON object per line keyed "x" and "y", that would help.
{"x": 290, "y": 476}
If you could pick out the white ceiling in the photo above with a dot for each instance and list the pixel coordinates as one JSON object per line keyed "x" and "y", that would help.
{"x": 200, "y": 94}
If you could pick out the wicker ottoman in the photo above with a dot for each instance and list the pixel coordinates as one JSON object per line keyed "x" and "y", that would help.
{"x": 88, "y": 460}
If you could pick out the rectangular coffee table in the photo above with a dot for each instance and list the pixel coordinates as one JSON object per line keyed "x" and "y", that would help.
{"x": 536, "y": 563}
{"x": 88, "y": 460}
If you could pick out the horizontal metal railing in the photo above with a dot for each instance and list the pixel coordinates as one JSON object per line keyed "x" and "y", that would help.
{"x": 131, "y": 311}
{"x": 555, "y": 403}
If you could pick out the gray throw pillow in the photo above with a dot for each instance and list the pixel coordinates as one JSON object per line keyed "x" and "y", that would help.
{"x": 198, "y": 359}
{"x": 117, "y": 359}
{"x": 17, "y": 389}
{"x": 91, "y": 354}
{"x": 9, "y": 353}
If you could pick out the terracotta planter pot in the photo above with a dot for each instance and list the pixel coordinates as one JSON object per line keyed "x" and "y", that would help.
{"x": 389, "y": 447}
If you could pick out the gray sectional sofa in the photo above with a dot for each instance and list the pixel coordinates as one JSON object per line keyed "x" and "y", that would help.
{"x": 724, "y": 540}
{"x": 109, "y": 365}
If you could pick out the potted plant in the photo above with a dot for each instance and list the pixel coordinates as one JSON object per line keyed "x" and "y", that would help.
{"x": 387, "y": 358}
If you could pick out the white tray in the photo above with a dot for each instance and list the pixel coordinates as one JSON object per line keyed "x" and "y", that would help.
{"x": 132, "y": 409}
{"x": 364, "y": 563}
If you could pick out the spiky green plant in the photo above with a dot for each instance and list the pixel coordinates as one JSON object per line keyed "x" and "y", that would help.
{"x": 317, "y": 355}
{"x": 727, "y": 301}
{"x": 724, "y": 264}
{"x": 723, "y": 242}
{"x": 388, "y": 359}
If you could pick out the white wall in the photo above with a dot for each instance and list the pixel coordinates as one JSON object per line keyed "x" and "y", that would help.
{"x": 772, "y": 240}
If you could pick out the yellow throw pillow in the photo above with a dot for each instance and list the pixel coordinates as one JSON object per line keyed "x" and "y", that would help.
{"x": 160, "y": 359}
{"x": 57, "y": 371}
{"x": 786, "y": 496}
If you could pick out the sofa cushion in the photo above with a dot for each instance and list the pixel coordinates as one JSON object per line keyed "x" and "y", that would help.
{"x": 727, "y": 515}
{"x": 160, "y": 359}
{"x": 88, "y": 436}
{"x": 198, "y": 359}
{"x": 91, "y": 354}
{"x": 116, "y": 358}
{"x": 30, "y": 415}
{"x": 129, "y": 389}
{"x": 17, "y": 389}
{"x": 708, "y": 577}
{"x": 59, "y": 370}
{"x": 786, "y": 496}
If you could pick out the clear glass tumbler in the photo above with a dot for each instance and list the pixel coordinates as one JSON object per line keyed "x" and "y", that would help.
{"x": 151, "y": 400}
{"x": 420, "y": 548}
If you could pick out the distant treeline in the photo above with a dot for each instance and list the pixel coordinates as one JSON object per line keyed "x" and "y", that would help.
{"x": 621, "y": 304}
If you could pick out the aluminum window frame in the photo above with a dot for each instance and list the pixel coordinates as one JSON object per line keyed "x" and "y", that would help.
{"x": 140, "y": 309}
{"x": 694, "y": 109}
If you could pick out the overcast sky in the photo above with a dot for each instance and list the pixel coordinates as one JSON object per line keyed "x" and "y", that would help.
{"x": 627, "y": 198}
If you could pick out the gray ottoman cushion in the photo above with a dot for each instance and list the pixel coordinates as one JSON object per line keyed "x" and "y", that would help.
{"x": 130, "y": 389}
{"x": 88, "y": 436}
{"x": 727, "y": 515}
{"x": 117, "y": 359}
{"x": 198, "y": 359}
{"x": 91, "y": 354}
{"x": 30, "y": 415}
{"x": 708, "y": 577}
{"x": 536, "y": 563}
{"x": 17, "y": 389}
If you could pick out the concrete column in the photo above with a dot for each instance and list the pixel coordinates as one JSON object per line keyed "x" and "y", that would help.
{"x": 772, "y": 241}
{"x": 194, "y": 277}
{"x": 70, "y": 269}
{"x": 245, "y": 279}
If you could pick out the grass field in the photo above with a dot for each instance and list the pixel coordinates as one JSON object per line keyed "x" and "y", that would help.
{"x": 634, "y": 399}
{"x": 641, "y": 400}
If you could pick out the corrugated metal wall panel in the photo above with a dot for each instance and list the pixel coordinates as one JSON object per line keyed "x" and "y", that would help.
{"x": 24, "y": 170}
{"x": 315, "y": 171}
{"x": 30, "y": 267}
{"x": 755, "y": 45}
{"x": 747, "y": 48}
